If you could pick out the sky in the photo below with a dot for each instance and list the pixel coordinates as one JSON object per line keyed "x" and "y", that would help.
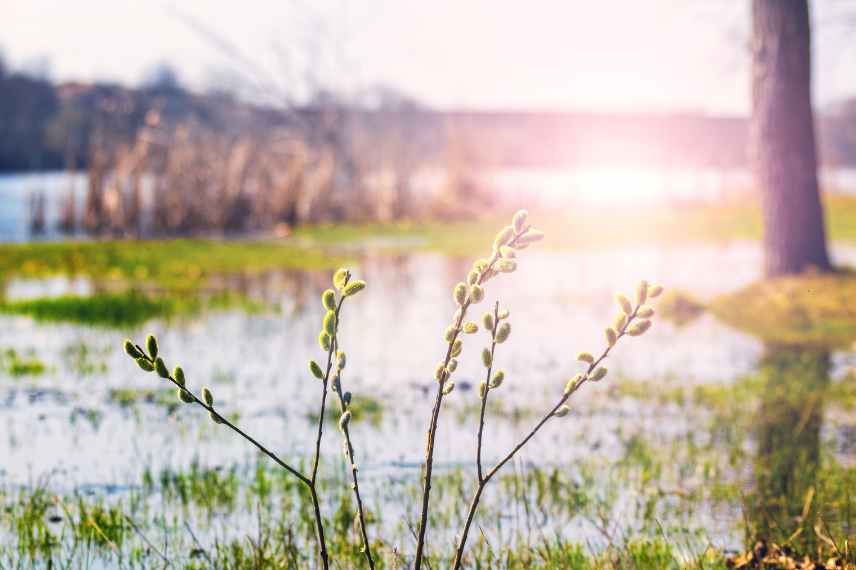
{"x": 606, "y": 55}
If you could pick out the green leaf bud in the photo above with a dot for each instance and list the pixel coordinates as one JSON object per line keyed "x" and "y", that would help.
{"x": 641, "y": 292}
{"x": 507, "y": 252}
{"x": 487, "y": 321}
{"x": 482, "y": 390}
{"x": 624, "y": 302}
{"x": 585, "y": 357}
{"x": 340, "y": 278}
{"x": 324, "y": 340}
{"x": 645, "y": 312}
{"x": 497, "y": 380}
{"x": 598, "y": 374}
{"x": 476, "y": 293}
{"x": 178, "y": 375}
{"x": 184, "y": 396}
{"x": 452, "y": 366}
{"x": 457, "y": 348}
{"x": 611, "y": 336}
{"x": 344, "y": 420}
{"x": 451, "y": 333}
{"x": 152, "y": 346}
{"x": 448, "y": 387}
{"x": 215, "y": 418}
{"x": 639, "y": 328}
{"x": 329, "y": 323}
{"x": 519, "y": 220}
{"x": 131, "y": 350}
{"x": 161, "y": 368}
{"x": 341, "y": 360}
{"x": 207, "y": 397}
{"x": 353, "y": 287}
{"x": 473, "y": 277}
{"x": 506, "y": 265}
{"x": 503, "y": 314}
{"x": 470, "y": 327}
{"x": 145, "y": 364}
{"x": 487, "y": 358}
{"x": 655, "y": 291}
{"x": 502, "y": 332}
{"x": 315, "y": 369}
{"x": 328, "y": 299}
{"x": 563, "y": 411}
{"x": 620, "y": 321}
{"x": 573, "y": 382}
{"x": 459, "y": 293}
{"x": 503, "y": 237}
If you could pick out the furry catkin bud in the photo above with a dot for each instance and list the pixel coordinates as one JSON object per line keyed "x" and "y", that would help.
{"x": 344, "y": 419}
{"x": 452, "y": 366}
{"x": 178, "y": 375}
{"x": 639, "y": 328}
{"x": 585, "y": 357}
{"x": 353, "y": 287}
{"x": 152, "y": 346}
{"x": 502, "y": 332}
{"x": 470, "y": 327}
{"x": 451, "y": 333}
{"x": 503, "y": 237}
{"x": 476, "y": 294}
{"x": 562, "y": 411}
{"x": 341, "y": 360}
{"x": 519, "y": 220}
{"x": 448, "y": 387}
{"x": 487, "y": 358}
{"x": 315, "y": 369}
{"x": 457, "y": 347}
{"x": 611, "y": 336}
{"x": 473, "y": 277}
{"x": 598, "y": 374}
{"x": 530, "y": 237}
{"x": 655, "y": 291}
{"x": 572, "y": 383}
{"x": 641, "y": 292}
{"x": 161, "y": 368}
{"x": 507, "y": 252}
{"x": 497, "y": 380}
{"x": 620, "y": 321}
{"x": 184, "y": 396}
{"x": 131, "y": 350}
{"x": 329, "y": 323}
{"x": 328, "y": 299}
{"x": 480, "y": 264}
{"x": 624, "y": 303}
{"x": 207, "y": 397}
{"x": 215, "y": 418}
{"x": 459, "y": 293}
{"x": 340, "y": 278}
{"x": 439, "y": 371}
{"x": 482, "y": 390}
{"x": 503, "y": 314}
{"x": 645, "y": 312}
{"x": 144, "y": 364}
{"x": 324, "y": 340}
{"x": 487, "y": 321}
{"x": 506, "y": 265}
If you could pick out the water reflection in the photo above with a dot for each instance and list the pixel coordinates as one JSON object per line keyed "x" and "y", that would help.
{"x": 787, "y": 428}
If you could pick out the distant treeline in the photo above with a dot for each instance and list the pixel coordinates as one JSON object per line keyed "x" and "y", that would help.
{"x": 45, "y": 126}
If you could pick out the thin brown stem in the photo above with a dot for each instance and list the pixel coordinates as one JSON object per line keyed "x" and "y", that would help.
{"x": 435, "y": 412}
{"x": 510, "y": 455}
{"x": 486, "y": 391}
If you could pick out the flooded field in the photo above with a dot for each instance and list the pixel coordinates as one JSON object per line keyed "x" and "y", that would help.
{"x": 701, "y": 434}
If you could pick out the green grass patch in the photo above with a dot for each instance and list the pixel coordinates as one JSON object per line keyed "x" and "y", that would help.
{"x": 17, "y": 365}
{"x": 808, "y": 309}
{"x": 120, "y": 309}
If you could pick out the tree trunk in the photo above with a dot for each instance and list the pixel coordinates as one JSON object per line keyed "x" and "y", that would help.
{"x": 783, "y": 138}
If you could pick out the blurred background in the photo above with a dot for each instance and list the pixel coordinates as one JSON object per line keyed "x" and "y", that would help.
{"x": 199, "y": 169}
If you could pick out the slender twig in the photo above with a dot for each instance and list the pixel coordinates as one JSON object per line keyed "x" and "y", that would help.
{"x": 438, "y": 401}
{"x": 474, "y": 503}
{"x": 166, "y": 560}
{"x": 486, "y": 390}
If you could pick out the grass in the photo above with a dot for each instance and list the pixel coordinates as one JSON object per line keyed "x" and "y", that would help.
{"x": 16, "y": 365}
{"x": 809, "y": 309}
